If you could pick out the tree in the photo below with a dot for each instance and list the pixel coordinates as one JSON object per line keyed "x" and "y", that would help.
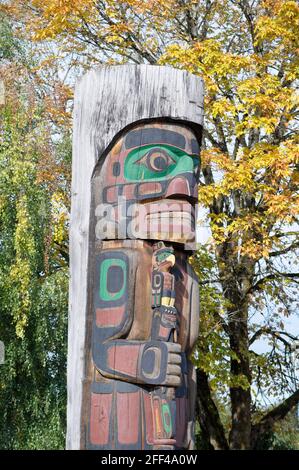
{"x": 247, "y": 54}
{"x": 33, "y": 270}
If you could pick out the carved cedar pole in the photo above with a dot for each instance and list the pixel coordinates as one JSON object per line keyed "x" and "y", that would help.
{"x": 133, "y": 314}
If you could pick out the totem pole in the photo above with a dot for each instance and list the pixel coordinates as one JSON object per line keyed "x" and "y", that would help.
{"x": 134, "y": 303}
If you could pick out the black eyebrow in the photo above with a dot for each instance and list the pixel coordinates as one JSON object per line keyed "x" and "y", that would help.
{"x": 154, "y": 135}
{"x": 194, "y": 146}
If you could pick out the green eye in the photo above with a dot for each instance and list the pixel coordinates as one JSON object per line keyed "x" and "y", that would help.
{"x": 158, "y": 162}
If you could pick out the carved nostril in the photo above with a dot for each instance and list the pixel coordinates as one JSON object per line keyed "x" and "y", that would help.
{"x": 178, "y": 186}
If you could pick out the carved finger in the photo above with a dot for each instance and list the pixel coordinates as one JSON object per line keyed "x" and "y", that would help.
{"x": 174, "y": 358}
{"x": 173, "y": 369}
{"x": 174, "y": 347}
{"x": 173, "y": 380}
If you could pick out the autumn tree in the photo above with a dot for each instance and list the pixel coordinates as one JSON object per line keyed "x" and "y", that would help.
{"x": 33, "y": 258}
{"x": 247, "y": 53}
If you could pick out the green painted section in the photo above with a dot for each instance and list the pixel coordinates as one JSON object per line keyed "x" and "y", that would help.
{"x": 166, "y": 416}
{"x": 147, "y": 165}
{"x": 103, "y": 291}
{"x": 162, "y": 256}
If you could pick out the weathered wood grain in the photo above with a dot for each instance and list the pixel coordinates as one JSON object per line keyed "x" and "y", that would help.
{"x": 106, "y": 101}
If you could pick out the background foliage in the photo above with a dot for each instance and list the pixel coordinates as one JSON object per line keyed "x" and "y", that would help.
{"x": 247, "y": 53}
{"x": 33, "y": 272}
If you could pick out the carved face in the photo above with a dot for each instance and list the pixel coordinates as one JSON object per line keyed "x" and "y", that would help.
{"x": 154, "y": 167}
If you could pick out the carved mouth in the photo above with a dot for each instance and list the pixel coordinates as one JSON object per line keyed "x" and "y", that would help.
{"x": 170, "y": 219}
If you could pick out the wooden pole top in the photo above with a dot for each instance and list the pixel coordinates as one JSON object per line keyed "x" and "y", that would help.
{"x": 110, "y": 98}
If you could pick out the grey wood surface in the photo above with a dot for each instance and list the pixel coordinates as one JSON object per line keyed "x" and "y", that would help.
{"x": 107, "y": 100}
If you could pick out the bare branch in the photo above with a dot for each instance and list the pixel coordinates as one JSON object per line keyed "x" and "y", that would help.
{"x": 269, "y": 331}
{"x": 289, "y": 248}
{"x": 276, "y": 414}
{"x": 213, "y": 141}
{"x": 258, "y": 285}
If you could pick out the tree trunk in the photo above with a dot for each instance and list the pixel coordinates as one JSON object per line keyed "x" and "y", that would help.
{"x": 237, "y": 277}
{"x": 240, "y": 396}
{"x": 208, "y": 416}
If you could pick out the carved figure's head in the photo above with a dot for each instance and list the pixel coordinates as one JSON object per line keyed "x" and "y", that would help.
{"x": 150, "y": 173}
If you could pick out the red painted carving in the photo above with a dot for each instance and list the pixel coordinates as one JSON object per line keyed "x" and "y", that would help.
{"x": 143, "y": 316}
{"x": 100, "y": 418}
{"x": 128, "y": 416}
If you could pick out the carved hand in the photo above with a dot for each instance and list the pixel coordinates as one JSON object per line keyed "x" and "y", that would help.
{"x": 173, "y": 372}
{"x": 149, "y": 363}
{"x": 160, "y": 364}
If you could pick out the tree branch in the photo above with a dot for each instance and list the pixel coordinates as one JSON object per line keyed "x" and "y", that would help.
{"x": 289, "y": 248}
{"x": 258, "y": 284}
{"x": 213, "y": 141}
{"x": 268, "y": 331}
{"x": 266, "y": 424}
